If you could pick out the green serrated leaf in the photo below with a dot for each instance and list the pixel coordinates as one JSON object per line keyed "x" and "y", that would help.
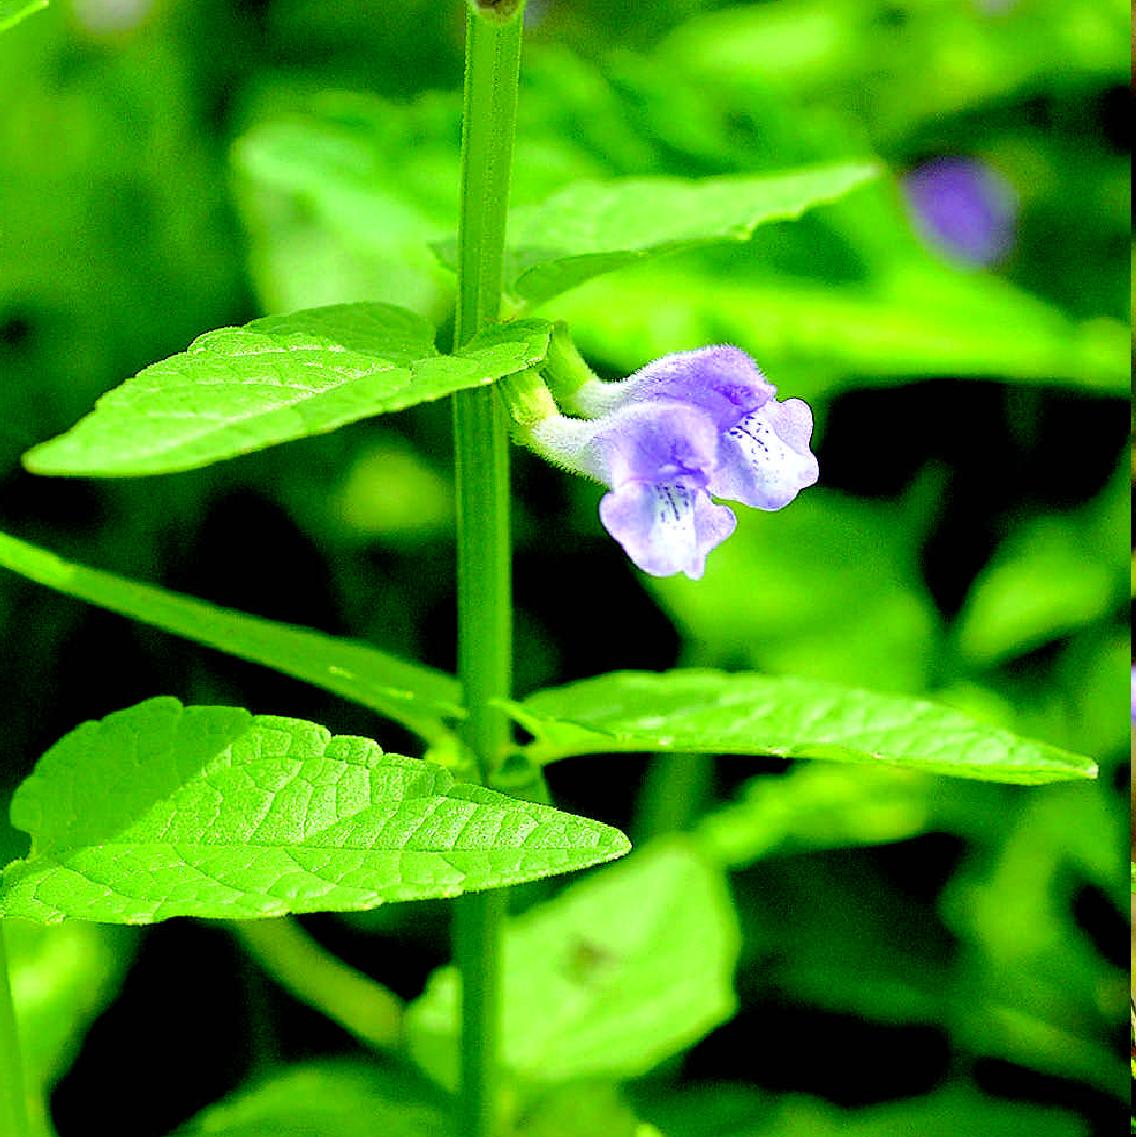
{"x": 327, "y": 1099}
{"x": 616, "y": 974}
{"x": 13, "y": 11}
{"x": 162, "y": 810}
{"x": 592, "y": 228}
{"x": 419, "y": 697}
{"x": 716, "y": 712}
{"x": 237, "y": 390}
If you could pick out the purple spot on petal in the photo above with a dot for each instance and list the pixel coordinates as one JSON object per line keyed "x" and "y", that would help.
{"x": 667, "y": 528}
{"x": 765, "y": 460}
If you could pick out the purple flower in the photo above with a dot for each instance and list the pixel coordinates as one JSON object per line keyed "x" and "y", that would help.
{"x": 722, "y": 380}
{"x": 685, "y": 427}
{"x": 964, "y": 208}
{"x": 763, "y": 457}
{"x": 656, "y": 458}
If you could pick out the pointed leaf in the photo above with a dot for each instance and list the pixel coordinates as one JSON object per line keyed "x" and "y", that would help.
{"x": 715, "y": 712}
{"x": 418, "y": 697}
{"x": 237, "y": 390}
{"x": 162, "y": 810}
{"x": 619, "y": 972}
{"x": 592, "y": 228}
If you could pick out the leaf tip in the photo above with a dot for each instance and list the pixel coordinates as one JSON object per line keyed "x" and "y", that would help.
{"x": 620, "y": 844}
{"x": 32, "y": 460}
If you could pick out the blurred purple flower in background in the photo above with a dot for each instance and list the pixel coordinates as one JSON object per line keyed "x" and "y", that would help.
{"x": 685, "y": 427}
{"x": 964, "y": 208}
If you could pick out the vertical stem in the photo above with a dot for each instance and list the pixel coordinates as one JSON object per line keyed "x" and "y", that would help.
{"x": 13, "y": 1088}
{"x": 493, "y": 53}
{"x": 492, "y": 73}
{"x": 479, "y": 918}
{"x": 677, "y": 788}
{"x": 675, "y": 792}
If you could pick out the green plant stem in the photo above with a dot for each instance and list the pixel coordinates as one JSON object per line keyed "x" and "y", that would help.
{"x": 481, "y": 439}
{"x": 13, "y": 1088}
{"x": 478, "y": 923}
{"x": 360, "y": 1005}
{"x": 675, "y": 792}
{"x": 492, "y": 74}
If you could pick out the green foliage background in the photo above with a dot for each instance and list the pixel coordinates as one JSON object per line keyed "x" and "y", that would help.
{"x": 170, "y": 168}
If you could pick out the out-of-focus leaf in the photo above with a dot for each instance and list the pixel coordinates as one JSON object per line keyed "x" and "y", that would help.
{"x": 105, "y": 258}
{"x": 580, "y": 1109}
{"x": 1093, "y": 673}
{"x": 13, "y": 11}
{"x": 737, "y": 1111}
{"x": 1032, "y": 993}
{"x": 343, "y": 201}
{"x": 775, "y": 595}
{"x": 716, "y": 712}
{"x": 855, "y": 947}
{"x": 1080, "y": 698}
{"x": 237, "y": 390}
{"x": 828, "y": 931}
{"x": 328, "y": 1099}
{"x": 392, "y": 491}
{"x": 831, "y": 51}
{"x": 816, "y": 807}
{"x": 1041, "y": 585}
{"x": 594, "y": 228}
{"x": 62, "y": 977}
{"x": 416, "y": 696}
{"x": 619, "y": 972}
{"x": 1052, "y": 575}
{"x": 162, "y": 810}
{"x": 815, "y": 338}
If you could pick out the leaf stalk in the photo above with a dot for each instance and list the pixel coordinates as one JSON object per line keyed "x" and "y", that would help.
{"x": 366, "y": 1009}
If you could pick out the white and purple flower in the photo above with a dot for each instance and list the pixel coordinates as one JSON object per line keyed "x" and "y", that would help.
{"x": 683, "y": 430}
